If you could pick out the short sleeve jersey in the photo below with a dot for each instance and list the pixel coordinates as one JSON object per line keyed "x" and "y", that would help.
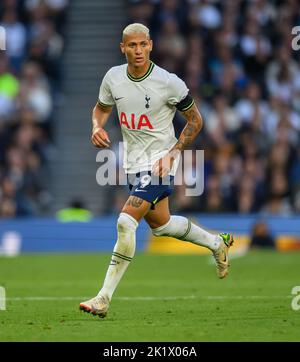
{"x": 146, "y": 108}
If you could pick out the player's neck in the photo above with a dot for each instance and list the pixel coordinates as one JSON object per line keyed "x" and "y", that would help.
{"x": 138, "y": 72}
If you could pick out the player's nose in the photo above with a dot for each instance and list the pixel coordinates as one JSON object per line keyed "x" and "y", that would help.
{"x": 138, "y": 51}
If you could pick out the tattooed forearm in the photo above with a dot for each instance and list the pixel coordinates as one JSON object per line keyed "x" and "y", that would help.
{"x": 134, "y": 201}
{"x": 190, "y": 131}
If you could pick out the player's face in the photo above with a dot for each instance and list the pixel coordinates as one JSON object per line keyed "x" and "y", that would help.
{"x": 137, "y": 48}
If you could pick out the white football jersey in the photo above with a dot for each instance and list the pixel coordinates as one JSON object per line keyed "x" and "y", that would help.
{"x": 146, "y": 108}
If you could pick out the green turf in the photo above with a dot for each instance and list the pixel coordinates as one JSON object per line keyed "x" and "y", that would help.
{"x": 252, "y": 304}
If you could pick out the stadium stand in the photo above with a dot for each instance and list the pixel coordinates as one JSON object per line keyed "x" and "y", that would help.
{"x": 30, "y": 80}
{"x": 237, "y": 60}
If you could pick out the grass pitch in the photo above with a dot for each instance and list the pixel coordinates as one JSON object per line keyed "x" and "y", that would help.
{"x": 161, "y": 298}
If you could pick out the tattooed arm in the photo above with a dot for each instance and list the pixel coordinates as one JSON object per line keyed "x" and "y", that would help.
{"x": 189, "y": 133}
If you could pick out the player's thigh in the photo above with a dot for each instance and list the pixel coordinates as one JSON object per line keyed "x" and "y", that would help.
{"x": 160, "y": 215}
{"x": 136, "y": 207}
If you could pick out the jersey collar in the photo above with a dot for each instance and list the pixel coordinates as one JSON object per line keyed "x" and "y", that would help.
{"x": 139, "y": 79}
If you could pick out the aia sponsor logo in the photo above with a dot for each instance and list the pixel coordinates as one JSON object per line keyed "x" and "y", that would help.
{"x": 135, "y": 122}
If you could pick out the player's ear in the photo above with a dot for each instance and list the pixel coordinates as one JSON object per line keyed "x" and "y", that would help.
{"x": 151, "y": 44}
{"x": 122, "y": 47}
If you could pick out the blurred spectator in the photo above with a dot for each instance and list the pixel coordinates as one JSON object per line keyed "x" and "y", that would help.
{"x": 54, "y": 9}
{"x": 15, "y": 38}
{"x": 171, "y": 9}
{"x": 34, "y": 91}
{"x": 76, "y": 212}
{"x": 222, "y": 121}
{"x": 250, "y": 105}
{"x": 206, "y": 15}
{"x": 171, "y": 43}
{"x": 141, "y": 12}
{"x": 224, "y": 66}
{"x": 9, "y": 88}
{"x": 255, "y": 47}
{"x": 213, "y": 198}
{"x": 261, "y": 236}
{"x": 285, "y": 86}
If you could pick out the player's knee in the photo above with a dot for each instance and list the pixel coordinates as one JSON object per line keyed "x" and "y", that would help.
{"x": 126, "y": 226}
{"x": 161, "y": 230}
{"x": 126, "y": 223}
{"x": 176, "y": 226}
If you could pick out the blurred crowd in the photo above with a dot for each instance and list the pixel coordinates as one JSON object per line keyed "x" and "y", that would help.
{"x": 236, "y": 58}
{"x": 30, "y": 79}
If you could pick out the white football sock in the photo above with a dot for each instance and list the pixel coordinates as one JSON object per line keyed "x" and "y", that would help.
{"x": 182, "y": 228}
{"x": 122, "y": 254}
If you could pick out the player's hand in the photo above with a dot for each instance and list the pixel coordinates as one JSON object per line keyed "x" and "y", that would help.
{"x": 100, "y": 138}
{"x": 162, "y": 167}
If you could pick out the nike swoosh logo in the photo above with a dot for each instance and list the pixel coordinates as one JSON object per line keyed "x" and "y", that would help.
{"x": 117, "y": 99}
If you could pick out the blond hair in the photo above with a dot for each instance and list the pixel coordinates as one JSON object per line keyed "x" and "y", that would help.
{"x": 136, "y": 28}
